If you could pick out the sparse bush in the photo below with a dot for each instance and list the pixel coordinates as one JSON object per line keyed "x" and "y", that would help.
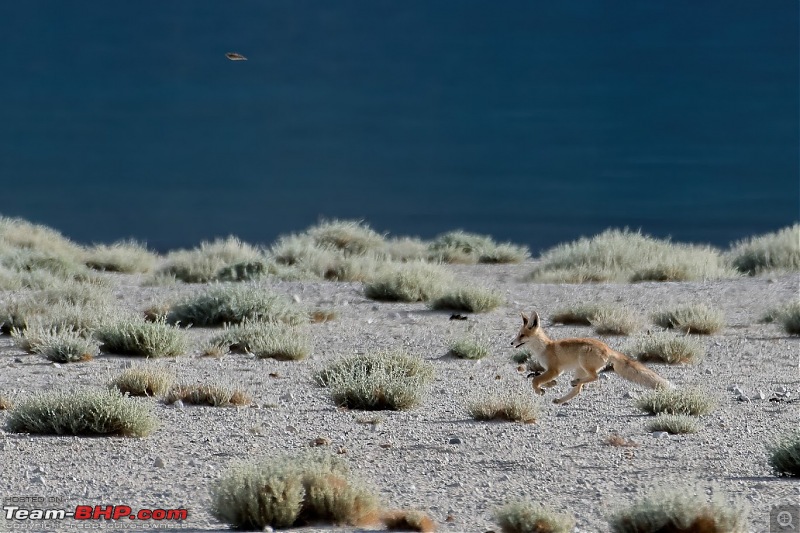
{"x": 514, "y": 406}
{"x": 409, "y": 282}
{"x": 620, "y": 256}
{"x": 137, "y": 337}
{"x": 676, "y": 402}
{"x": 266, "y": 340}
{"x": 284, "y": 492}
{"x": 470, "y": 248}
{"x": 402, "y": 520}
{"x": 144, "y": 381}
{"x": 124, "y": 256}
{"x": 58, "y": 344}
{"x": 17, "y": 313}
{"x": 469, "y": 299}
{"x": 610, "y": 320}
{"x": 778, "y": 251}
{"x": 406, "y": 249}
{"x": 788, "y": 316}
{"x": 233, "y": 304}
{"x": 784, "y": 456}
{"x": 521, "y": 356}
{"x": 678, "y": 510}
{"x": 213, "y": 259}
{"x": 392, "y": 381}
{"x": 213, "y": 394}
{"x": 156, "y": 312}
{"x": 527, "y": 517}
{"x": 662, "y": 347}
{"x": 674, "y": 424}
{"x": 349, "y": 236}
{"x": 698, "y": 318}
{"x": 466, "y": 348}
{"x": 581, "y": 315}
{"x": 82, "y": 412}
{"x": 79, "y": 294}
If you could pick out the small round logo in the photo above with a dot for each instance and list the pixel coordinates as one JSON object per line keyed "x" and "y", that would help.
{"x": 784, "y": 519}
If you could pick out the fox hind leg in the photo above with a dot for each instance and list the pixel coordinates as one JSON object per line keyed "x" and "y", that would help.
{"x": 582, "y": 376}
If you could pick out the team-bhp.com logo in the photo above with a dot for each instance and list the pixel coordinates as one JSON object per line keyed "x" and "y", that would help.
{"x": 96, "y": 512}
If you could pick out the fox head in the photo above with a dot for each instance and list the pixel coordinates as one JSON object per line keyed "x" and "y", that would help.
{"x": 529, "y": 329}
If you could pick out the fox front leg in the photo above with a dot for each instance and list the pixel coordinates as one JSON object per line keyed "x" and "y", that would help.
{"x": 544, "y": 380}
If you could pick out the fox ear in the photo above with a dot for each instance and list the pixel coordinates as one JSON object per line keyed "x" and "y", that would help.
{"x": 525, "y": 319}
{"x": 534, "y": 321}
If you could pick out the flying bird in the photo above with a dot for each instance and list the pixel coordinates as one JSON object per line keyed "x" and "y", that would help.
{"x": 233, "y": 56}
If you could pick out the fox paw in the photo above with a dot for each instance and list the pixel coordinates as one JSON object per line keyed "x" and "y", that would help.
{"x": 540, "y": 392}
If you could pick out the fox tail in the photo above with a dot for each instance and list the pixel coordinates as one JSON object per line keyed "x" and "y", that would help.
{"x": 636, "y": 372}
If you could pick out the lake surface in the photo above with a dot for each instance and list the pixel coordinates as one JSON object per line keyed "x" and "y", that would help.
{"x": 536, "y": 122}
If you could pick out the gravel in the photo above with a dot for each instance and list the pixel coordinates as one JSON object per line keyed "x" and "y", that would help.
{"x": 434, "y": 458}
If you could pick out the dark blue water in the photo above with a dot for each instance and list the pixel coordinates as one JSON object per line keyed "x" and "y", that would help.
{"x": 536, "y": 122}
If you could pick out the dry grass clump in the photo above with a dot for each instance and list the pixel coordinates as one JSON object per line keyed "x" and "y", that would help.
{"x": 213, "y": 394}
{"x": 405, "y": 249}
{"x": 264, "y": 340}
{"x": 128, "y": 257}
{"x": 58, "y": 344}
{"x": 698, "y": 318}
{"x": 229, "y": 258}
{"x": 663, "y": 347}
{"x": 282, "y": 492}
{"x": 612, "y": 320}
{"x": 676, "y": 402}
{"x": 408, "y": 520}
{"x": 679, "y": 510}
{"x": 470, "y": 248}
{"x": 143, "y": 381}
{"x": 387, "y": 380}
{"x": 350, "y": 236}
{"x": 469, "y": 299}
{"x": 510, "y": 405}
{"x": 408, "y": 282}
{"x": 777, "y": 251}
{"x": 137, "y": 337}
{"x": 784, "y": 455}
{"x": 467, "y": 348}
{"x": 82, "y": 412}
{"x": 16, "y": 233}
{"x": 233, "y": 304}
{"x": 621, "y": 255}
{"x": 674, "y": 424}
{"x": 528, "y": 517}
{"x": 79, "y": 294}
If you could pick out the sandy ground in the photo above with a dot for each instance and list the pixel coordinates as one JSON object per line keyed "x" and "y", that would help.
{"x": 560, "y": 461}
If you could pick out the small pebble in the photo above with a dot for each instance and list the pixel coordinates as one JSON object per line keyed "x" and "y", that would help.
{"x": 296, "y": 298}
{"x": 454, "y": 440}
{"x": 159, "y": 462}
{"x": 660, "y": 435}
{"x": 759, "y": 395}
{"x": 177, "y": 404}
{"x": 743, "y": 398}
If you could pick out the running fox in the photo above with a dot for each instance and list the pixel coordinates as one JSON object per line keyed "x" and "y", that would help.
{"x": 585, "y": 356}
